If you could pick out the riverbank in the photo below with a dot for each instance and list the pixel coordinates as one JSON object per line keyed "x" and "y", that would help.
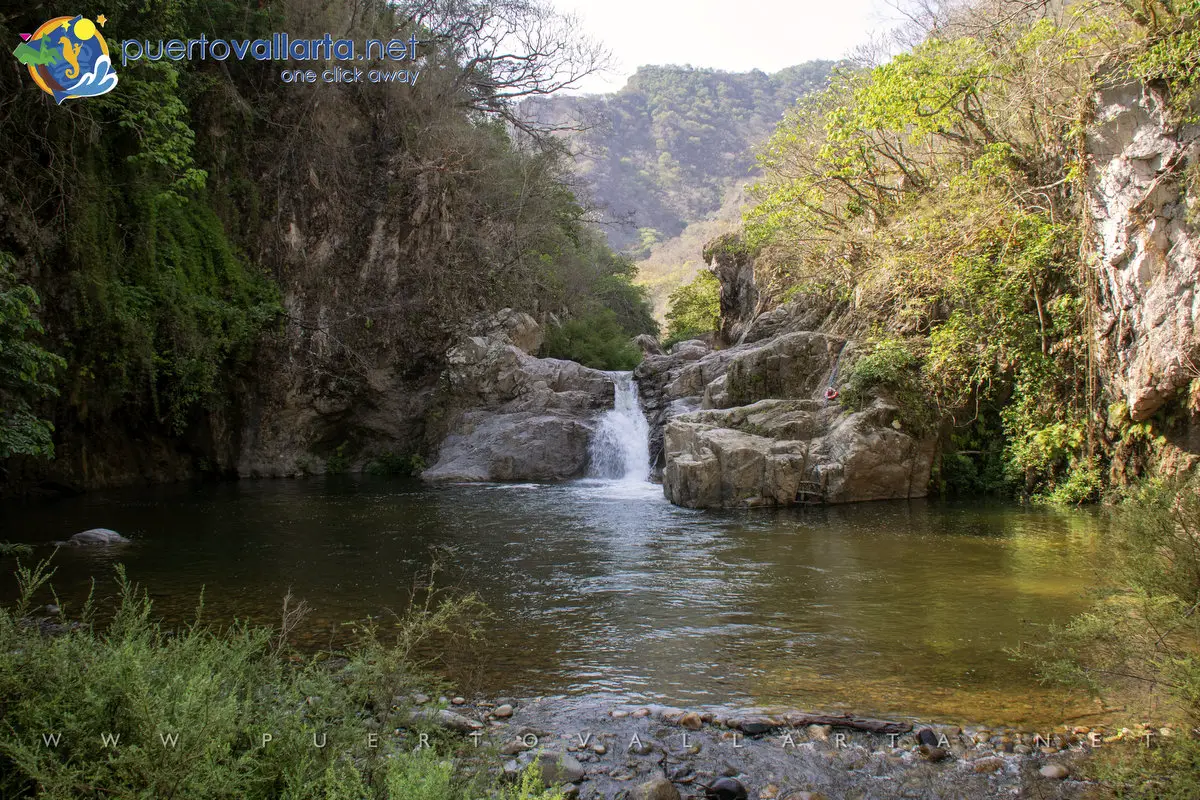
{"x": 603, "y": 748}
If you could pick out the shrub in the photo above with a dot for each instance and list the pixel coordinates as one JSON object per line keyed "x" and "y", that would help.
{"x": 596, "y": 340}
{"x": 891, "y": 367}
{"x": 113, "y": 697}
{"x": 695, "y": 309}
{"x": 1141, "y": 638}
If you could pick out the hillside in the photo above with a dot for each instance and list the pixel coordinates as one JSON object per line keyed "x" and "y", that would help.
{"x": 672, "y": 149}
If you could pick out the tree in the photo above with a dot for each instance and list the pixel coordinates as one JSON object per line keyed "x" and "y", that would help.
{"x": 695, "y": 308}
{"x": 26, "y": 369}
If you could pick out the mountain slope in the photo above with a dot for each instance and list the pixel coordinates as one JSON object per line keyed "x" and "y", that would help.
{"x": 670, "y": 150}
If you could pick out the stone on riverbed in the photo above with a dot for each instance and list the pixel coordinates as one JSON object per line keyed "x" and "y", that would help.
{"x": 656, "y": 789}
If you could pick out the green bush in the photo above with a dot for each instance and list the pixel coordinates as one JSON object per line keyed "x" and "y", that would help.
{"x": 1141, "y": 639}
{"x": 596, "y": 340}
{"x": 26, "y": 370}
{"x": 891, "y": 367}
{"x": 113, "y": 697}
{"x": 694, "y": 310}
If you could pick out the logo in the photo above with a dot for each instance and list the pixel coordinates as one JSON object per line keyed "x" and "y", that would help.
{"x": 68, "y": 58}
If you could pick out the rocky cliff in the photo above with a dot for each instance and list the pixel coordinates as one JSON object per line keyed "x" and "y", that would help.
{"x": 1144, "y": 206}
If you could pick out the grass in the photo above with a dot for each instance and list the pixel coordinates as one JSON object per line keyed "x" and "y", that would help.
{"x": 131, "y": 709}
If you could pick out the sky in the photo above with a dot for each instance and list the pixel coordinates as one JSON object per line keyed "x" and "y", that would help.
{"x": 733, "y": 35}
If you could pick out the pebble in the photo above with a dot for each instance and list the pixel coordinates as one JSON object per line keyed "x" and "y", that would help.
{"x": 599, "y": 749}
{"x": 726, "y": 789}
{"x": 618, "y": 714}
{"x": 656, "y": 789}
{"x": 641, "y": 713}
{"x": 927, "y": 737}
{"x": 989, "y": 764}
{"x": 692, "y": 721}
{"x": 819, "y": 733}
{"x": 1055, "y": 772}
{"x": 503, "y": 712}
{"x": 459, "y": 701}
{"x": 932, "y": 753}
{"x": 768, "y": 792}
{"x": 420, "y": 699}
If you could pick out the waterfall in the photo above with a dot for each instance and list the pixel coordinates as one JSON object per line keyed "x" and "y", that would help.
{"x": 620, "y": 447}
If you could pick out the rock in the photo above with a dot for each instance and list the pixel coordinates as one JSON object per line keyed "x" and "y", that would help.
{"x": 503, "y": 711}
{"x": 508, "y": 416}
{"x": 932, "y": 753}
{"x": 1054, "y": 772}
{"x": 927, "y": 737}
{"x": 640, "y": 713}
{"x": 726, "y": 789}
{"x": 819, "y": 733}
{"x": 989, "y": 764}
{"x": 1149, "y": 255}
{"x": 513, "y": 747}
{"x": 730, "y": 261}
{"x": 52, "y": 609}
{"x": 559, "y": 768}
{"x": 755, "y": 726}
{"x": 784, "y": 452}
{"x": 420, "y": 698}
{"x": 790, "y": 366}
{"x": 647, "y": 344}
{"x": 457, "y": 722}
{"x": 656, "y": 789}
{"x": 516, "y": 327}
{"x": 691, "y": 721}
{"x": 97, "y": 536}
{"x": 458, "y": 701}
{"x": 599, "y": 748}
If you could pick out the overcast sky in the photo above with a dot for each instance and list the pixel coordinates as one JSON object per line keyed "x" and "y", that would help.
{"x": 735, "y": 35}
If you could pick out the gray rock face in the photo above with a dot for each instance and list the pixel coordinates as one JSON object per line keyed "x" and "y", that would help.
{"x": 513, "y": 416}
{"x": 783, "y": 452}
{"x": 750, "y": 426}
{"x": 1148, "y": 243}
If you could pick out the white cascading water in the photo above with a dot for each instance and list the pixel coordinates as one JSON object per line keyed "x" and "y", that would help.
{"x": 620, "y": 447}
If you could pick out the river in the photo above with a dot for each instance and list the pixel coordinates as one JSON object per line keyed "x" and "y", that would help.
{"x": 602, "y": 587}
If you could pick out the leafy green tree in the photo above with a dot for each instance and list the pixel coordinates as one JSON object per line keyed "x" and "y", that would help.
{"x": 26, "y": 370}
{"x": 695, "y": 308}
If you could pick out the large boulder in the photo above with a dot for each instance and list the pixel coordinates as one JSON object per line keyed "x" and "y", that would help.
{"x": 783, "y": 452}
{"x": 507, "y": 416}
{"x": 488, "y": 445}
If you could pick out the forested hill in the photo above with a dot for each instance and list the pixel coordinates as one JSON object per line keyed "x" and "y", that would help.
{"x": 666, "y": 150}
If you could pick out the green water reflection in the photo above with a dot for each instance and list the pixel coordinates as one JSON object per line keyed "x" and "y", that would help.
{"x": 892, "y": 608}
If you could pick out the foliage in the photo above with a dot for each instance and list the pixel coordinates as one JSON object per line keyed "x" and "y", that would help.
{"x": 596, "y": 341}
{"x": 936, "y": 196}
{"x": 164, "y": 222}
{"x": 338, "y": 462}
{"x": 26, "y": 370}
{"x": 218, "y": 692}
{"x": 694, "y": 309}
{"x": 1141, "y": 637}
{"x": 891, "y": 367}
{"x": 1171, "y": 53}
